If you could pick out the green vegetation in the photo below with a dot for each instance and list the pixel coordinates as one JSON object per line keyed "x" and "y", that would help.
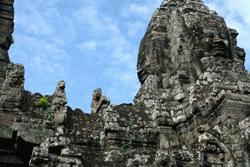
{"x": 49, "y": 114}
{"x": 43, "y": 102}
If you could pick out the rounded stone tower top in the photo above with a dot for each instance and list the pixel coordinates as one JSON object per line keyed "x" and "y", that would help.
{"x": 180, "y": 34}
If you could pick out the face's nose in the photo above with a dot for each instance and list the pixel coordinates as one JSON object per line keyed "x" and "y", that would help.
{"x": 220, "y": 40}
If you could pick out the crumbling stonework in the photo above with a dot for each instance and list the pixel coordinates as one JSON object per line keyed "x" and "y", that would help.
{"x": 192, "y": 108}
{"x": 99, "y": 102}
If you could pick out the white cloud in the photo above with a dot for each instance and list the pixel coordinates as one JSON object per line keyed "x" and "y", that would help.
{"x": 143, "y": 9}
{"x": 89, "y": 45}
{"x": 31, "y": 20}
{"x": 106, "y": 31}
{"x": 139, "y": 9}
{"x": 46, "y": 59}
{"x": 42, "y": 35}
{"x": 135, "y": 27}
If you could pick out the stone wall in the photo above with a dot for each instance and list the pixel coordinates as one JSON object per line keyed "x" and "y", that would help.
{"x": 191, "y": 110}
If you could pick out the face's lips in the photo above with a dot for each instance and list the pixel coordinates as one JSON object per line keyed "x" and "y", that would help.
{"x": 219, "y": 48}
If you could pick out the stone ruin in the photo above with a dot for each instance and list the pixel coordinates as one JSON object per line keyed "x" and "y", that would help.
{"x": 191, "y": 110}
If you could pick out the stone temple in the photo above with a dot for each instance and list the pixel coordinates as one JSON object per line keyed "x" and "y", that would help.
{"x": 192, "y": 109}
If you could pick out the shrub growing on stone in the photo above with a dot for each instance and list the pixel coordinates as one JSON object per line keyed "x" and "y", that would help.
{"x": 49, "y": 114}
{"x": 43, "y": 102}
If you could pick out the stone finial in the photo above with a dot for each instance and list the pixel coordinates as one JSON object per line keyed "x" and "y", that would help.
{"x": 99, "y": 101}
{"x": 59, "y": 97}
{"x": 59, "y": 103}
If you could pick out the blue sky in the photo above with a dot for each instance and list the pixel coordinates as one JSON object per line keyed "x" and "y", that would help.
{"x": 92, "y": 44}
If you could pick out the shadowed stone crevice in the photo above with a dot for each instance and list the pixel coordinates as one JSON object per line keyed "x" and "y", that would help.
{"x": 24, "y": 150}
{"x": 15, "y": 152}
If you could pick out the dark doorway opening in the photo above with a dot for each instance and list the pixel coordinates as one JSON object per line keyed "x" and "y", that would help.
{"x": 24, "y": 150}
{"x": 55, "y": 150}
{"x": 15, "y": 152}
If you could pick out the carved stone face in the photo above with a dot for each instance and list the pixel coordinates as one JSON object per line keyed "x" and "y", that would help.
{"x": 215, "y": 43}
{"x": 209, "y": 42}
{"x": 188, "y": 43}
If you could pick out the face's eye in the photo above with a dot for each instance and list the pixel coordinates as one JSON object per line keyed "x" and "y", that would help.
{"x": 210, "y": 34}
{"x": 222, "y": 36}
{"x": 207, "y": 37}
